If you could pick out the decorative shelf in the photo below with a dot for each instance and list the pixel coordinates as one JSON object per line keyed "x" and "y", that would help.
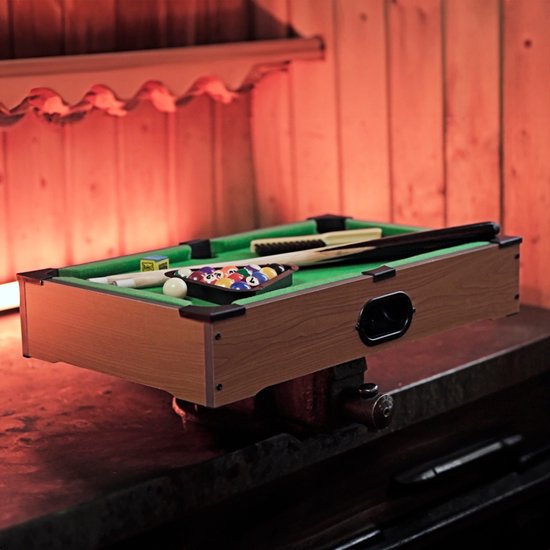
{"x": 179, "y": 72}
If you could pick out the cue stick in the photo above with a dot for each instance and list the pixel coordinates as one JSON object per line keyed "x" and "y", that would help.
{"x": 386, "y": 248}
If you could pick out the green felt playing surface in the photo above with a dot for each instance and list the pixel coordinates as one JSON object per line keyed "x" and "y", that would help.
{"x": 237, "y": 246}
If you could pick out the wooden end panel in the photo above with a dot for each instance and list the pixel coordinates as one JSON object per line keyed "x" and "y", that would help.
{"x": 136, "y": 340}
{"x": 287, "y": 338}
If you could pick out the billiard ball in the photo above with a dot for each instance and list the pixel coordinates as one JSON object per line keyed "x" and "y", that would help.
{"x": 184, "y": 272}
{"x": 256, "y": 279}
{"x": 269, "y": 272}
{"x": 207, "y": 269}
{"x": 209, "y": 278}
{"x": 236, "y": 276}
{"x": 175, "y": 287}
{"x": 229, "y": 270}
{"x": 197, "y": 275}
{"x": 244, "y": 272}
{"x": 240, "y": 285}
{"x": 277, "y": 267}
{"x": 252, "y": 268}
{"x": 218, "y": 273}
{"x": 225, "y": 282}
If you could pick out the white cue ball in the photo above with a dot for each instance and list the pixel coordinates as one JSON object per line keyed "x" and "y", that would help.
{"x": 184, "y": 272}
{"x": 175, "y": 287}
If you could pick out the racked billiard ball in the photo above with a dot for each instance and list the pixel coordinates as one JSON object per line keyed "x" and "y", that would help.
{"x": 269, "y": 272}
{"x": 240, "y": 285}
{"x": 225, "y": 282}
{"x": 277, "y": 267}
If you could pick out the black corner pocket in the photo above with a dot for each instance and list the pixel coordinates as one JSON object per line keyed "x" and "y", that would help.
{"x": 385, "y": 318}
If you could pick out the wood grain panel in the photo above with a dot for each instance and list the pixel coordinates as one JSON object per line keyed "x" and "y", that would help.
{"x": 6, "y": 268}
{"x": 37, "y": 194}
{"x": 314, "y": 115}
{"x": 5, "y": 31}
{"x": 115, "y": 335}
{"x": 90, "y": 146}
{"x": 92, "y": 197}
{"x": 270, "y": 125}
{"x": 140, "y": 24}
{"x": 142, "y": 180}
{"x": 473, "y": 103}
{"x": 234, "y": 197}
{"x": 186, "y": 22}
{"x": 527, "y": 140}
{"x": 361, "y": 60}
{"x": 7, "y": 272}
{"x": 316, "y": 330}
{"x": 37, "y": 27}
{"x": 416, "y": 112}
{"x": 36, "y": 189}
{"x": 234, "y": 194}
{"x": 193, "y": 205}
{"x": 89, "y": 26}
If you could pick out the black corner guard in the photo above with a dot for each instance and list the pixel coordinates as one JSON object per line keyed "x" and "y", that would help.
{"x": 381, "y": 273}
{"x": 506, "y": 240}
{"x": 211, "y": 314}
{"x": 330, "y": 222}
{"x": 39, "y": 275}
{"x": 200, "y": 248}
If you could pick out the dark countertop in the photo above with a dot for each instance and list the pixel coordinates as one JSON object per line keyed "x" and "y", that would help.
{"x": 79, "y": 448}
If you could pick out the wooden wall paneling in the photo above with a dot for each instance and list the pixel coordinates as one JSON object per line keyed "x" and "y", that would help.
{"x": 193, "y": 199}
{"x": 37, "y": 27}
{"x": 527, "y": 141}
{"x": 143, "y": 174}
{"x": 143, "y": 184}
{"x": 35, "y": 156}
{"x": 361, "y": 61}
{"x": 89, "y": 26}
{"x": 7, "y": 272}
{"x": 228, "y": 20}
{"x": 316, "y": 166}
{"x": 416, "y": 112}
{"x": 37, "y": 213}
{"x": 91, "y": 157}
{"x": 270, "y": 125}
{"x": 6, "y": 269}
{"x": 186, "y": 22}
{"x": 472, "y": 110}
{"x": 234, "y": 192}
{"x": 5, "y": 31}
{"x": 92, "y": 198}
{"x": 140, "y": 24}
{"x": 234, "y": 196}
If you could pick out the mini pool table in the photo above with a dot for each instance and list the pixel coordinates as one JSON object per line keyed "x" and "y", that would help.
{"x": 213, "y": 355}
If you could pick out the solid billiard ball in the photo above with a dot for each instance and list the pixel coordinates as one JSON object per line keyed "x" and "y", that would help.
{"x": 240, "y": 285}
{"x": 225, "y": 282}
{"x": 207, "y": 269}
{"x": 175, "y": 287}
{"x": 277, "y": 267}
{"x": 244, "y": 272}
{"x": 269, "y": 272}
{"x": 236, "y": 276}
{"x": 184, "y": 272}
